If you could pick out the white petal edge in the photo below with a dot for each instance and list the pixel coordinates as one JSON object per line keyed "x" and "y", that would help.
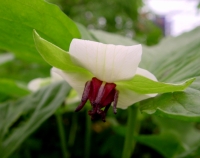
{"x": 75, "y": 80}
{"x": 35, "y": 84}
{"x": 107, "y": 62}
{"x": 128, "y": 97}
{"x": 55, "y": 77}
{"x": 38, "y": 83}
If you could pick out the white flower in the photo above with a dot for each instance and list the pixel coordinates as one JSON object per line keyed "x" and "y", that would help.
{"x": 108, "y": 64}
{"x": 37, "y": 83}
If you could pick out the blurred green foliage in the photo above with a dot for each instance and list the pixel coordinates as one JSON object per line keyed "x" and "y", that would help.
{"x": 122, "y": 17}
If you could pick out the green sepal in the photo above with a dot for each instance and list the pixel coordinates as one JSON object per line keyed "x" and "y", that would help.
{"x": 56, "y": 57}
{"x": 143, "y": 85}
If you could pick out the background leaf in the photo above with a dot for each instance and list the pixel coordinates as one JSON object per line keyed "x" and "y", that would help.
{"x": 38, "y": 107}
{"x": 11, "y": 87}
{"x": 185, "y": 50}
{"x": 179, "y": 105}
{"x": 179, "y": 61}
{"x": 186, "y": 132}
{"x": 166, "y": 143}
{"x": 20, "y": 17}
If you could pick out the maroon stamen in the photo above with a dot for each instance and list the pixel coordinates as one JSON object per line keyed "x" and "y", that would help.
{"x": 101, "y": 95}
{"x": 85, "y": 96}
{"x": 115, "y": 101}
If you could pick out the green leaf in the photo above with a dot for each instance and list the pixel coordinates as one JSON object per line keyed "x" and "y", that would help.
{"x": 12, "y": 88}
{"x": 38, "y": 107}
{"x": 166, "y": 143}
{"x": 192, "y": 153}
{"x": 176, "y": 139}
{"x": 56, "y": 57}
{"x": 185, "y": 51}
{"x": 178, "y": 105}
{"x": 20, "y": 17}
{"x": 186, "y": 132}
{"x": 179, "y": 61}
{"x": 144, "y": 85}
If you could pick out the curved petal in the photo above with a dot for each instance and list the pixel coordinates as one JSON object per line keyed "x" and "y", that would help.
{"x": 107, "y": 62}
{"x": 146, "y": 74}
{"x": 55, "y": 77}
{"x": 128, "y": 97}
{"x": 75, "y": 80}
{"x": 37, "y": 83}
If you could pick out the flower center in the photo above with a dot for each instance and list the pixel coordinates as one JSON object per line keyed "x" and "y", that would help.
{"x": 101, "y": 95}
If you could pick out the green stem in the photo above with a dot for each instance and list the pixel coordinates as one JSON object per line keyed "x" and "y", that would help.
{"x": 73, "y": 130}
{"x": 87, "y": 136}
{"x": 129, "y": 143}
{"x": 62, "y": 135}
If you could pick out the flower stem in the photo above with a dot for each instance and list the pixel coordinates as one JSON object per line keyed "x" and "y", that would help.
{"x": 129, "y": 143}
{"x": 61, "y": 131}
{"x": 73, "y": 130}
{"x": 87, "y": 136}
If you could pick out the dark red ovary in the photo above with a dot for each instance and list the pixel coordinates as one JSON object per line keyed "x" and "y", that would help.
{"x": 101, "y": 95}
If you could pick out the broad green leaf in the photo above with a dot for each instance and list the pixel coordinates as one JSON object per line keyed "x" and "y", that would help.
{"x": 187, "y": 132}
{"x": 192, "y": 153}
{"x": 176, "y": 139}
{"x": 172, "y": 138}
{"x": 56, "y": 57}
{"x": 12, "y": 88}
{"x": 178, "y": 105}
{"x": 38, "y": 107}
{"x": 179, "y": 61}
{"x": 166, "y": 143}
{"x": 20, "y": 17}
{"x": 144, "y": 85}
{"x": 182, "y": 62}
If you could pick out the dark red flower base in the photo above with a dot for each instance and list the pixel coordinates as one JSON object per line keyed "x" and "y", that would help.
{"x": 100, "y": 95}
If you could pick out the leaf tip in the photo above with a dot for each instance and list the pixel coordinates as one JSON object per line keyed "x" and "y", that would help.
{"x": 190, "y": 81}
{"x": 35, "y": 34}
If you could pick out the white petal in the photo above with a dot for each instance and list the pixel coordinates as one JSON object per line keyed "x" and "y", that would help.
{"x": 37, "y": 83}
{"x": 128, "y": 97}
{"x": 75, "y": 80}
{"x": 34, "y": 84}
{"x": 107, "y": 62}
{"x": 55, "y": 77}
{"x": 146, "y": 74}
